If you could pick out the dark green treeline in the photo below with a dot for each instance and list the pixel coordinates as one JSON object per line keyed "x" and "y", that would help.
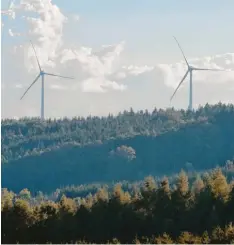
{"x": 182, "y": 213}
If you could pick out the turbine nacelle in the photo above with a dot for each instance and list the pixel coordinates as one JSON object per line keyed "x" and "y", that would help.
{"x": 191, "y": 68}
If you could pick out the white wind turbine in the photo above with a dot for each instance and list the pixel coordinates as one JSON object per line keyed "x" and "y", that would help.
{"x": 190, "y": 72}
{"x": 42, "y": 75}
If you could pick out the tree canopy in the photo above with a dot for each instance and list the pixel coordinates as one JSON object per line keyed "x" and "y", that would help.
{"x": 128, "y": 146}
{"x": 155, "y": 213}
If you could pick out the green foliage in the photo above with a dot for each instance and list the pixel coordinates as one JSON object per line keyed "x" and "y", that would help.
{"x": 198, "y": 185}
{"x": 158, "y": 215}
{"x": 182, "y": 184}
{"x": 219, "y": 186}
{"x": 25, "y": 194}
{"x": 129, "y": 147}
{"x": 195, "y": 206}
{"x": 164, "y": 239}
{"x": 123, "y": 151}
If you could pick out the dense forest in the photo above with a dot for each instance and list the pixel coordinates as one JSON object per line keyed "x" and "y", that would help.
{"x": 43, "y": 156}
{"x": 158, "y": 212}
{"x": 84, "y": 180}
{"x": 28, "y": 137}
{"x": 129, "y": 147}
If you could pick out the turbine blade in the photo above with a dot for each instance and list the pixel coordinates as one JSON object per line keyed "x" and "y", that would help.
{"x": 181, "y": 51}
{"x": 206, "y": 69}
{"x": 54, "y": 75}
{"x": 36, "y": 55}
{"x": 179, "y": 84}
{"x": 30, "y": 87}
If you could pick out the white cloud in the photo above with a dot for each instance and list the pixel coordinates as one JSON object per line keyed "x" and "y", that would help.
{"x": 46, "y": 31}
{"x": 121, "y": 75}
{"x": 13, "y": 34}
{"x": 101, "y": 85}
{"x": 97, "y": 67}
{"x": 102, "y": 68}
{"x": 102, "y": 62}
{"x": 169, "y": 75}
{"x": 173, "y": 73}
{"x": 75, "y": 17}
{"x": 137, "y": 70}
{"x": 18, "y": 86}
{"x": 58, "y": 87}
{"x": 98, "y": 70}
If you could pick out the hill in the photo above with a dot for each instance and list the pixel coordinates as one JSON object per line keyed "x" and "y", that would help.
{"x": 130, "y": 146}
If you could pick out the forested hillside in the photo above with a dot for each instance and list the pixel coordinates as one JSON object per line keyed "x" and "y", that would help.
{"x": 45, "y": 156}
{"x": 158, "y": 213}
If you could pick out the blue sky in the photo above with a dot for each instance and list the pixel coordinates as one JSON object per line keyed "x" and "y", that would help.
{"x": 142, "y": 57}
{"x": 152, "y": 23}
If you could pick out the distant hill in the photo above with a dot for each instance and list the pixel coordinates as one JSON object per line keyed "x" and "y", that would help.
{"x": 45, "y": 156}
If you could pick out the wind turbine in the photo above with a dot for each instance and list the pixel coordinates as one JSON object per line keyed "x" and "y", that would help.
{"x": 190, "y": 72}
{"x": 42, "y": 75}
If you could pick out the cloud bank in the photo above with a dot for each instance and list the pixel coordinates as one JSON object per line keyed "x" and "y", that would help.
{"x": 173, "y": 73}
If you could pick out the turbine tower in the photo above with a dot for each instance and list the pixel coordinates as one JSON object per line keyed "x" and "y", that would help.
{"x": 190, "y": 72}
{"x": 42, "y": 75}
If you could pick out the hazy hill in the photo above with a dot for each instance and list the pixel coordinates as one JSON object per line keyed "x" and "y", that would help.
{"x": 45, "y": 156}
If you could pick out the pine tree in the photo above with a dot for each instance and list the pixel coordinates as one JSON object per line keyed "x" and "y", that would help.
{"x": 218, "y": 235}
{"x": 67, "y": 205}
{"x": 198, "y": 185}
{"x": 182, "y": 183}
{"x": 120, "y": 195}
{"x": 219, "y": 186}
{"x": 164, "y": 239}
{"x": 150, "y": 184}
{"x": 102, "y": 195}
{"x": 181, "y": 202}
{"x": 25, "y": 194}
{"x": 22, "y": 219}
{"x": 188, "y": 238}
{"x": 205, "y": 239}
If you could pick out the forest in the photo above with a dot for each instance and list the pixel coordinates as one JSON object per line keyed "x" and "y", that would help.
{"x": 126, "y": 147}
{"x": 159, "y": 213}
{"x": 165, "y": 176}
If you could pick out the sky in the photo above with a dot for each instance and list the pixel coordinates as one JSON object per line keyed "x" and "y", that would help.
{"x": 121, "y": 53}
